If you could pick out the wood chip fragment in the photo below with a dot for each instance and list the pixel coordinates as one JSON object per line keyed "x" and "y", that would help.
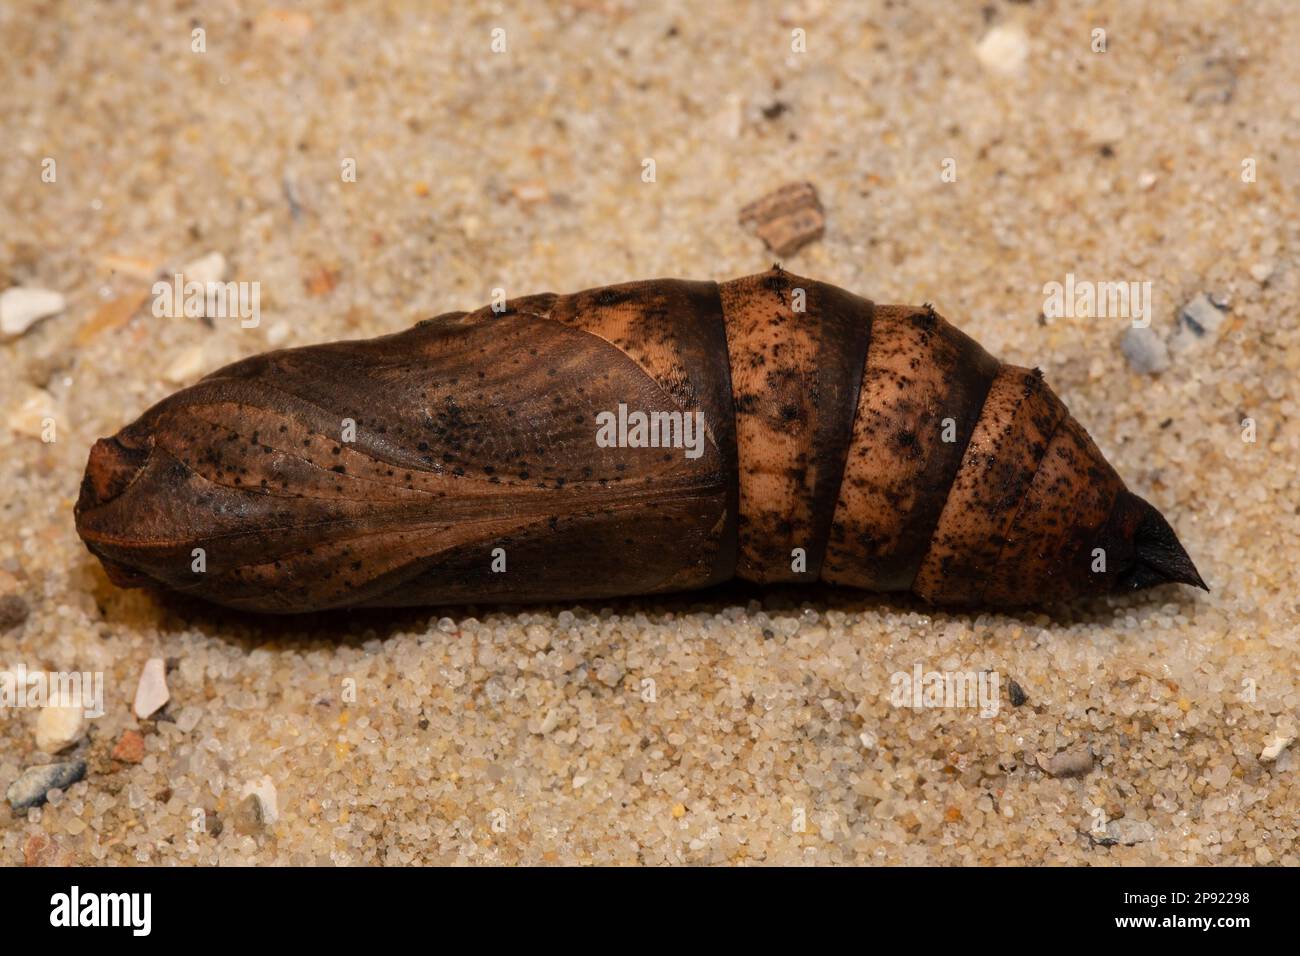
{"x": 787, "y": 219}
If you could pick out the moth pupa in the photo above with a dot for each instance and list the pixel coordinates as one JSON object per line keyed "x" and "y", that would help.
{"x": 634, "y": 439}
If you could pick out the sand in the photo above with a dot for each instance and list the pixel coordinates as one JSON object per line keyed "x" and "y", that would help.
{"x": 738, "y": 727}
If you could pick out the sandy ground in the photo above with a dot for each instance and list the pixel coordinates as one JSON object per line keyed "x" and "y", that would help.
{"x": 738, "y": 727}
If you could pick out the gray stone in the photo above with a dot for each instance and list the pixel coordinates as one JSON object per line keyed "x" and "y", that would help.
{"x": 1145, "y": 350}
{"x": 33, "y": 784}
{"x": 1067, "y": 763}
{"x": 1127, "y": 832}
{"x": 1201, "y": 316}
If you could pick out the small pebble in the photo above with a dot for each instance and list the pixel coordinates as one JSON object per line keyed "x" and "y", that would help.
{"x": 1210, "y": 80}
{"x": 609, "y": 673}
{"x": 188, "y": 719}
{"x": 151, "y": 693}
{"x": 186, "y": 366}
{"x": 1067, "y": 763}
{"x": 277, "y": 334}
{"x": 1145, "y": 350}
{"x": 1273, "y": 749}
{"x": 248, "y": 816}
{"x": 532, "y": 191}
{"x": 263, "y": 791}
{"x": 549, "y": 723}
{"x": 1199, "y": 322}
{"x": 13, "y": 611}
{"x": 58, "y": 727}
{"x": 43, "y": 850}
{"x": 787, "y": 219}
{"x": 130, "y": 747}
{"x": 1017, "y": 694}
{"x": 1003, "y": 49}
{"x": 1126, "y": 832}
{"x": 21, "y": 308}
{"x": 27, "y": 417}
{"x": 208, "y": 268}
{"x": 320, "y": 281}
{"x": 284, "y": 25}
{"x": 1262, "y": 271}
{"x": 31, "y": 787}
{"x": 1201, "y": 316}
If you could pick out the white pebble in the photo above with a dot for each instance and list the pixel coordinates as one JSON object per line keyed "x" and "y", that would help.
{"x": 1128, "y": 832}
{"x": 151, "y": 693}
{"x": 1003, "y": 49}
{"x": 1273, "y": 749}
{"x": 185, "y": 366}
{"x": 59, "y": 727}
{"x": 209, "y": 268}
{"x": 20, "y": 308}
{"x": 277, "y": 334}
{"x": 1261, "y": 271}
{"x": 188, "y": 719}
{"x": 28, "y": 416}
{"x": 264, "y": 791}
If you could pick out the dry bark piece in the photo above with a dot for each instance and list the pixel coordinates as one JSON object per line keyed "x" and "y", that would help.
{"x": 808, "y": 434}
{"x": 787, "y": 219}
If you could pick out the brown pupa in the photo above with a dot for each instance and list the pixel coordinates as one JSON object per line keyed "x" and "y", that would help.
{"x": 634, "y": 439}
